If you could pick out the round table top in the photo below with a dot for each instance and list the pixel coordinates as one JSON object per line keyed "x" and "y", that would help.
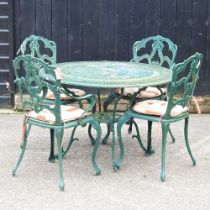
{"x": 113, "y": 74}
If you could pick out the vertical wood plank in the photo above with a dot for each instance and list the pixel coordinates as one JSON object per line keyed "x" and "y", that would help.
{"x": 59, "y": 28}
{"x": 90, "y": 29}
{"x": 137, "y": 22}
{"x": 75, "y": 30}
{"x": 43, "y": 18}
{"x": 17, "y": 38}
{"x": 11, "y": 46}
{"x": 106, "y": 32}
{"x": 206, "y": 88}
{"x": 27, "y": 18}
{"x": 198, "y": 35}
{"x": 121, "y": 30}
{"x": 106, "y": 29}
{"x": 152, "y": 19}
{"x": 183, "y": 32}
{"x": 168, "y": 19}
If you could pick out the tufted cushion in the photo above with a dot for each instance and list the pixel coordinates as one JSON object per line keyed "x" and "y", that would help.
{"x": 149, "y": 92}
{"x": 158, "y": 108}
{"x": 68, "y": 113}
{"x": 63, "y": 96}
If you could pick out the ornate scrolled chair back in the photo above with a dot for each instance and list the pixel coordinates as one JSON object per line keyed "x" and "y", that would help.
{"x": 39, "y": 47}
{"x": 184, "y": 78}
{"x": 38, "y": 78}
{"x": 155, "y": 50}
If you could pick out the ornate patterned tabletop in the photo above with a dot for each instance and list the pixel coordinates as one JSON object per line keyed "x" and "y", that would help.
{"x": 113, "y": 74}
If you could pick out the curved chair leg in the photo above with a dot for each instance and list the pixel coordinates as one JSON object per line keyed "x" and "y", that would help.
{"x": 149, "y": 150}
{"x": 59, "y": 136}
{"x": 52, "y": 142}
{"x": 106, "y": 137}
{"x": 187, "y": 142}
{"x": 112, "y": 96}
{"x": 172, "y": 136}
{"x": 97, "y": 126}
{"x": 137, "y": 136}
{"x": 92, "y": 140}
{"x": 165, "y": 127}
{"x": 121, "y": 122}
{"x": 23, "y": 148}
{"x": 72, "y": 139}
{"x": 130, "y": 128}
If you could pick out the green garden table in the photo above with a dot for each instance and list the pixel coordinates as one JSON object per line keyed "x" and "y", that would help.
{"x": 109, "y": 75}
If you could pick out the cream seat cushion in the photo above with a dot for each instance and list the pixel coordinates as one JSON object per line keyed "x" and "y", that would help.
{"x": 68, "y": 113}
{"x": 63, "y": 96}
{"x": 149, "y": 92}
{"x": 158, "y": 108}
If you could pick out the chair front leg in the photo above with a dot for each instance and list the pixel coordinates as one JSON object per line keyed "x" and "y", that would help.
{"x": 106, "y": 137}
{"x": 97, "y": 127}
{"x": 165, "y": 127}
{"x": 172, "y": 136}
{"x": 23, "y": 148}
{"x": 59, "y": 136}
{"x": 138, "y": 137}
{"x": 92, "y": 140}
{"x": 130, "y": 128}
{"x": 52, "y": 142}
{"x": 112, "y": 96}
{"x": 149, "y": 150}
{"x": 187, "y": 142}
{"x": 124, "y": 119}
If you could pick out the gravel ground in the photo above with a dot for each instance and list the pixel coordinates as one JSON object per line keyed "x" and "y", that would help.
{"x": 136, "y": 185}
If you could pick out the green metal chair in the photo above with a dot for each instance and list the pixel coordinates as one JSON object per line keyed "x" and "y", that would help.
{"x": 154, "y": 50}
{"x": 37, "y": 78}
{"x": 184, "y": 78}
{"x": 45, "y": 50}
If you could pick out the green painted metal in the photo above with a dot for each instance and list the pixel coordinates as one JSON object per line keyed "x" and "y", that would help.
{"x": 39, "y": 47}
{"x": 154, "y": 50}
{"x": 45, "y": 50}
{"x": 185, "y": 76}
{"x": 38, "y": 78}
{"x": 113, "y": 74}
{"x": 158, "y": 48}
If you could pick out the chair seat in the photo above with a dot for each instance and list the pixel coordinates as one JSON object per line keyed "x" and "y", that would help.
{"x": 157, "y": 108}
{"x": 68, "y": 113}
{"x": 149, "y": 92}
{"x": 63, "y": 96}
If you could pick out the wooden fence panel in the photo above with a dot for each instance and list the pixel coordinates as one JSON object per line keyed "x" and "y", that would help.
{"x": 121, "y": 30}
{"x": 199, "y": 13}
{"x": 106, "y": 29}
{"x": 59, "y": 28}
{"x": 183, "y": 29}
{"x": 90, "y": 29}
{"x": 75, "y": 30}
{"x": 27, "y": 18}
{"x": 206, "y": 88}
{"x": 168, "y": 19}
{"x": 137, "y": 22}
{"x": 43, "y": 18}
{"x": 152, "y": 18}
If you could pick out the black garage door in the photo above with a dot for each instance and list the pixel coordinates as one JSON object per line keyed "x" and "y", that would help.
{"x": 6, "y": 52}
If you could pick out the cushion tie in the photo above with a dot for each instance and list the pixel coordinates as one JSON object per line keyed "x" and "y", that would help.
{"x": 196, "y": 104}
{"x": 24, "y": 128}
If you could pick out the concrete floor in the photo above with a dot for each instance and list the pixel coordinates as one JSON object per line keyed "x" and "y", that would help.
{"x": 135, "y": 186}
